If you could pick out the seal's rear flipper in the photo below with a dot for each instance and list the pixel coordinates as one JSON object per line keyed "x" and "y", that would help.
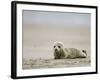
{"x": 85, "y": 52}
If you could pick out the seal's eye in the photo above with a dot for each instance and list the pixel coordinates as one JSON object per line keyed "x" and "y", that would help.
{"x": 58, "y": 46}
{"x": 82, "y": 50}
{"x": 54, "y": 46}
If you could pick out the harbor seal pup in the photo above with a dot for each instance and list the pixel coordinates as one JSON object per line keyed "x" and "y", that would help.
{"x": 63, "y": 53}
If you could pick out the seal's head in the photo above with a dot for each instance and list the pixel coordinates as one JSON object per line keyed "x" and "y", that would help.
{"x": 58, "y": 50}
{"x": 57, "y": 46}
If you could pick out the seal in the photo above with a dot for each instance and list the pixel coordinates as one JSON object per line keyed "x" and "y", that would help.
{"x": 63, "y": 53}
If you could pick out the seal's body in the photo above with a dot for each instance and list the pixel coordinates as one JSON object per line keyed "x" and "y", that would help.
{"x": 63, "y": 53}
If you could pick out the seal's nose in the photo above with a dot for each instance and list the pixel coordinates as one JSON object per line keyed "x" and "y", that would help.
{"x": 56, "y": 49}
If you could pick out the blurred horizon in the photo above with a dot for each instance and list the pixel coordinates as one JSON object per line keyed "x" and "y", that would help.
{"x": 47, "y": 18}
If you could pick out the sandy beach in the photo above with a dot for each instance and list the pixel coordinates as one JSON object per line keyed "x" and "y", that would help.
{"x": 52, "y": 63}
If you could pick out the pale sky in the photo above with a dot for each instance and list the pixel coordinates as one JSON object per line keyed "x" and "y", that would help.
{"x": 56, "y": 18}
